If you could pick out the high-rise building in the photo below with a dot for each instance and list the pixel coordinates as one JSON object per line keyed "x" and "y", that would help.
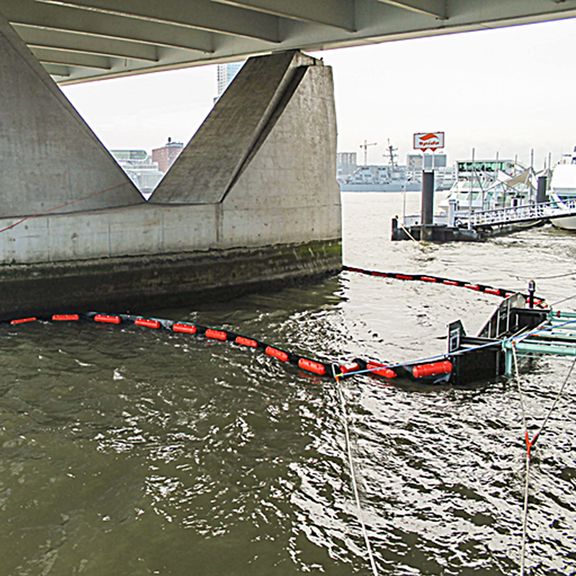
{"x": 166, "y": 155}
{"x": 227, "y": 73}
{"x": 346, "y": 163}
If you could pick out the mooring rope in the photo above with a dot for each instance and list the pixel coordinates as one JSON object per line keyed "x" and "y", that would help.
{"x": 352, "y": 472}
{"x": 530, "y": 443}
{"x": 527, "y": 466}
{"x": 59, "y": 207}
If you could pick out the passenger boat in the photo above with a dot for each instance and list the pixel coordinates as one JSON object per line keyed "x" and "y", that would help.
{"x": 563, "y": 188}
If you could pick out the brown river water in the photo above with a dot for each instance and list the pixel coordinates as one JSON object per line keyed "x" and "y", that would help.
{"x": 127, "y": 452}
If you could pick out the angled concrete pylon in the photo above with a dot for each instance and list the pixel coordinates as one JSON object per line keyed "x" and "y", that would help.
{"x": 251, "y": 202}
{"x": 265, "y": 157}
{"x": 217, "y": 153}
{"x": 51, "y": 162}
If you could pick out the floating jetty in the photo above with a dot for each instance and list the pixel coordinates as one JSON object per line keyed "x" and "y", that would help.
{"x": 476, "y": 224}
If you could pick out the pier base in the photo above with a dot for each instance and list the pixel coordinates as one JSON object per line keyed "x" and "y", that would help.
{"x": 251, "y": 202}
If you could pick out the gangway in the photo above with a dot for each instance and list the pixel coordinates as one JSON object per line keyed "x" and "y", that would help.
{"x": 518, "y": 214}
{"x": 555, "y": 336}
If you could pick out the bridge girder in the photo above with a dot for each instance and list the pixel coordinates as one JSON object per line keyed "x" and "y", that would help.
{"x": 80, "y": 40}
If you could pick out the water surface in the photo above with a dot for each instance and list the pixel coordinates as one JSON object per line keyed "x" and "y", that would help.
{"x": 126, "y": 452}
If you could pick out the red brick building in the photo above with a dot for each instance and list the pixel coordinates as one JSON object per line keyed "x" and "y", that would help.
{"x": 166, "y": 155}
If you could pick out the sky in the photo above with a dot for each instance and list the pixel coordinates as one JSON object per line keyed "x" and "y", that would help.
{"x": 506, "y": 91}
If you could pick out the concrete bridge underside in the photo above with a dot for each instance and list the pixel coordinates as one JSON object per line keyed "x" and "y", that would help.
{"x": 76, "y": 40}
{"x": 252, "y": 200}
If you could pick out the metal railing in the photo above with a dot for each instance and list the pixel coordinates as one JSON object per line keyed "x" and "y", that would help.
{"x": 523, "y": 213}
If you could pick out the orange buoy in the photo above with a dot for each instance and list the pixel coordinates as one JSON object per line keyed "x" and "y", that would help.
{"x": 380, "y": 370}
{"x": 312, "y": 366}
{"x": 433, "y": 369}
{"x": 23, "y": 320}
{"x": 107, "y": 319}
{"x": 147, "y": 323}
{"x": 184, "y": 328}
{"x": 349, "y": 367}
{"x": 65, "y": 317}
{"x": 216, "y": 334}
{"x": 243, "y": 341}
{"x": 275, "y": 353}
{"x": 429, "y": 279}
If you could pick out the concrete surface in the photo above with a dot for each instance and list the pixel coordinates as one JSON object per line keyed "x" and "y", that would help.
{"x": 51, "y": 160}
{"x": 252, "y": 201}
{"x": 213, "y": 158}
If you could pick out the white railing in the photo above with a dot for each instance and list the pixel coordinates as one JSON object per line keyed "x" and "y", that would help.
{"x": 524, "y": 213}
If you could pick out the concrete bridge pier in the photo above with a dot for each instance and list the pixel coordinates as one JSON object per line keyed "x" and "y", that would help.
{"x": 251, "y": 202}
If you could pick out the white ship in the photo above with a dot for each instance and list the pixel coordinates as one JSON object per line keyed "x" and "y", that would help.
{"x": 392, "y": 177}
{"x": 563, "y": 188}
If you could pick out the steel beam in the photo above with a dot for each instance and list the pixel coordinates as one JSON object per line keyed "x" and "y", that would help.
{"x": 68, "y": 42}
{"x": 200, "y": 14}
{"x": 61, "y": 18}
{"x": 436, "y": 8}
{"x": 49, "y": 56}
{"x": 57, "y": 70}
{"x": 335, "y": 13}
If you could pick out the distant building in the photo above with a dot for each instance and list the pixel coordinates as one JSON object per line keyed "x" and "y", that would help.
{"x": 166, "y": 155}
{"x": 227, "y": 73}
{"x": 346, "y": 163}
{"x": 414, "y": 161}
{"x": 140, "y": 168}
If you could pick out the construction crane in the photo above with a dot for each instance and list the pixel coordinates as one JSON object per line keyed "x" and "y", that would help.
{"x": 365, "y": 148}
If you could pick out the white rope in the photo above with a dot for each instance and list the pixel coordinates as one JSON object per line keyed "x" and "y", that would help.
{"x": 529, "y": 445}
{"x": 527, "y": 470}
{"x": 360, "y": 513}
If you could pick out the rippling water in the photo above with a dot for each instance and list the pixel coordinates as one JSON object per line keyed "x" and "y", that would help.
{"x": 127, "y": 452}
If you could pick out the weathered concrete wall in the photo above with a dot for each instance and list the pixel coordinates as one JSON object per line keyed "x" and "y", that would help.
{"x": 287, "y": 188}
{"x": 212, "y": 159}
{"x": 139, "y": 283}
{"x": 268, "y": 213}
{"x": 50, "y": 159}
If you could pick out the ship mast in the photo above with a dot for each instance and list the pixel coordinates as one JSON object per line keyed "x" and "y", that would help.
{"x": 391, "y": 154}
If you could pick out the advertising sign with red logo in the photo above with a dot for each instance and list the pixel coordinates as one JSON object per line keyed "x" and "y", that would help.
{"x": 429, "y": 141}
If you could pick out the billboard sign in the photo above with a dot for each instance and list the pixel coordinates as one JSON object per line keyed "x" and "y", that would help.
{"x": 429, "y": 141}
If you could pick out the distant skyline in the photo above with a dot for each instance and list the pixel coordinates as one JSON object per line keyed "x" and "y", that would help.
{"x": 502, "y": 91}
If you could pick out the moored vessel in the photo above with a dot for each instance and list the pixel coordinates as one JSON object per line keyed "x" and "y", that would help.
{"x": 563, "y": 188}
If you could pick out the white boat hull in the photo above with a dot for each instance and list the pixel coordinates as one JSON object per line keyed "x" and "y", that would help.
{"x": 568, "y": 223}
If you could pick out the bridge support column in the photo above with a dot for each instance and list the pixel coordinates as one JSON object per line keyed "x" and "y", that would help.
{"x": 251, "y": 202}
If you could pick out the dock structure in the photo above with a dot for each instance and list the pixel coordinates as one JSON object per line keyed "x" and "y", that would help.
{"x": 555, "y": 336}
{"x": 514, "y": 329}
{"x": 481, "y": 224}
{"x": 520, "y": 214}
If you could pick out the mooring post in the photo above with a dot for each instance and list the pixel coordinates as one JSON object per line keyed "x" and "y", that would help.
{"x": 541, "y": 190}
{"x": 427, "y": 214}
{"x": 531, "y": 292}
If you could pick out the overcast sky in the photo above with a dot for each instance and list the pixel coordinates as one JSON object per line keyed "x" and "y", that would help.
{"x": 506, "y": 91}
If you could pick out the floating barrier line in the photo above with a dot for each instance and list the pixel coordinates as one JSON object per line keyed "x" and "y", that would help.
{"x": 483, "y": 288}
{"x": 322, "y": 368}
